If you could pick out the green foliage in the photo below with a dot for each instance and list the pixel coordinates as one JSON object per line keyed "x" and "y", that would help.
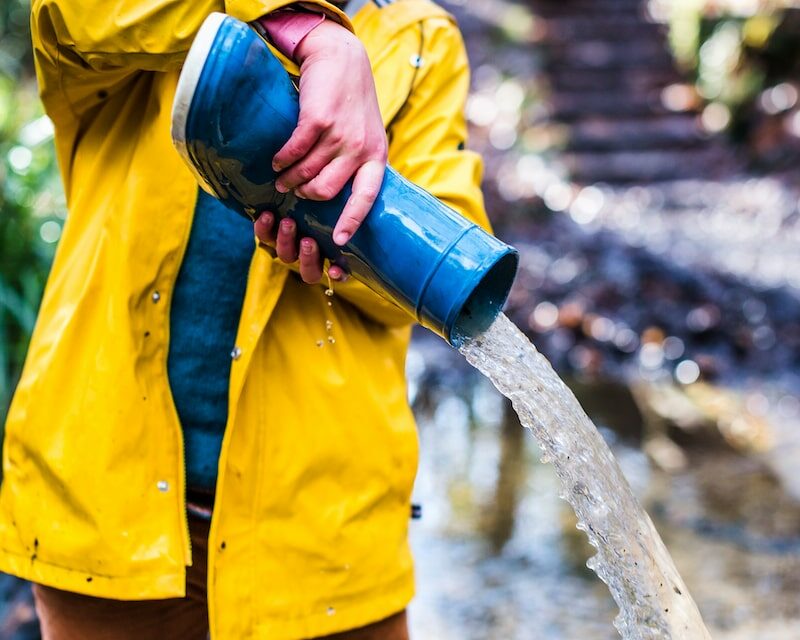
{"x": 735, "y": 49}
{"x": 32, "y": 206}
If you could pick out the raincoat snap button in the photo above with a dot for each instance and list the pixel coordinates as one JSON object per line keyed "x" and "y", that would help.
{"x": 156, "y": 296}
{"x": 236, "y": 353}
{"x": 163, "y": 486}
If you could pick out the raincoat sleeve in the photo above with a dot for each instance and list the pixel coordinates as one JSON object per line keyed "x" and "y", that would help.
{"x": 426, "y": 144}
{"x": 85, "y": 50}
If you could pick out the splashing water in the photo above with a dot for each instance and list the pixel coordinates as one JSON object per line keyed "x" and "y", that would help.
{"x": 631, "y": 558}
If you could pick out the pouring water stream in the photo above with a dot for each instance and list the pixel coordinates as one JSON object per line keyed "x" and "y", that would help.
{"x": 631, "y": 557}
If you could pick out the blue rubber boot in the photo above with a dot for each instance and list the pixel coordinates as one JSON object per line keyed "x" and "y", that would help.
{"x": 236, "y": 106}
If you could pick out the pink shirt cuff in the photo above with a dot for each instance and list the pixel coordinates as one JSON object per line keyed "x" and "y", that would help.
{"x": 287, "y": 29}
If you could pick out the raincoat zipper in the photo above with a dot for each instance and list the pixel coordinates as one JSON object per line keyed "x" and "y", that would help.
{"x": 187, "y": 538}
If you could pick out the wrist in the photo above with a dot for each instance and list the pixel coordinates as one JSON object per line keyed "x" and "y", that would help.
{"x": 327, "y": 37}
{"x": 286, "y": 29}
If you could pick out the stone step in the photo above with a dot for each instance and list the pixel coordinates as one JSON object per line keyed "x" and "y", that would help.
{"x": 635, "y": 103}
{"x": 622, "y": 28}
{"x": 664, "y": 132}
{"x": 645, "y": 166}
{"x": 619, "y": 81}
{"x": 597, "y": 54}
{"x": 588, "y": 8}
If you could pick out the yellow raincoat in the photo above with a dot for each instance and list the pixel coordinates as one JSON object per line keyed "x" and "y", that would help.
{"x": 309, "y": 534}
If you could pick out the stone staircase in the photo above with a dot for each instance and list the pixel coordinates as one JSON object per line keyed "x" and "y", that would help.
{"x": 607, "y": 64}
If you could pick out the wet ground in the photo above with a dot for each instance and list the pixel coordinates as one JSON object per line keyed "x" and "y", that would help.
{"x": 498, "y": 555}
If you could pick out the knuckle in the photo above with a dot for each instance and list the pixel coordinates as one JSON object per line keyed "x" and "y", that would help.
{"x": 321, "y": 122}
{"x": 359, "y": 142}
{"x": 305, "y": 173}
{"x": 321, "y": 192}
{"x": 336, "y": 138}
{"x": 307, "y": 123}
{"x": 369, "y": 193}
{"x": 379, "y": 152}
{"x": 327, "y": 192}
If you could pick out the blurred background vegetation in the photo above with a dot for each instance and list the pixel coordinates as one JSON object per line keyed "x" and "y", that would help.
{"x": 744, "y": 59}
{"x": 32, "y": 206}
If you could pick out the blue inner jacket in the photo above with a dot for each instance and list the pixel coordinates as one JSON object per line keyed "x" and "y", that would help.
{"x": 204, "y": 319}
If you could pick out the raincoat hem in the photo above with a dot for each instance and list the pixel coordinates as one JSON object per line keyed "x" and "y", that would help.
{"x": 161, "y": 585}
{"x": 356, "y": 612}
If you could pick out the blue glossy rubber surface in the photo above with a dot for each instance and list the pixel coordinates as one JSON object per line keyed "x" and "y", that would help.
{"x": 431, "y": 261}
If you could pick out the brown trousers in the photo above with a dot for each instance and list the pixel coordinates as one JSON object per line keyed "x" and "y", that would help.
{"x": 70, "y": 616}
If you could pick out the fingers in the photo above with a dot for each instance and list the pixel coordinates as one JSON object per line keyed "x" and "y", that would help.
{"x": 337, "y": 274}
{"x": 306, "y": 170}
{"x": 283, "y": 245}
{"x": 366, "y": 187}
{"x": 286, "y": 242}
{"x": 264, "y": 228}
{"x": 330, "y": 181}
{"x": 303, "y": 138}
{"x": 310, "y": 261}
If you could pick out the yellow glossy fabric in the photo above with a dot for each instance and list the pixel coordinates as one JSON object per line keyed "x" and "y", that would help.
{"x": 309, "y": 534}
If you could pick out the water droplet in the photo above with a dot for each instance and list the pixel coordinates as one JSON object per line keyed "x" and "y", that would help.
{"x": 236, "y": 353}
{"x": 329, "y": 292}
{"x": 331, "y": 340}
{"x": 329, "y": 324}
{"x": 320, "y": 343}
{"x": 163, "y": 486}
{"x": 331, "y": 611}
{"x": 156, "y": 296}
{"x": 416, "y": 61}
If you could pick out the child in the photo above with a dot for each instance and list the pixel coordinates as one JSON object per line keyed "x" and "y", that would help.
{"x": 172, "y": 364}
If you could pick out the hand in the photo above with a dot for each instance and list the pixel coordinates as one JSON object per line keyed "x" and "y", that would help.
{"x": 286, "y": 247}
{"x": 340, "y": 132}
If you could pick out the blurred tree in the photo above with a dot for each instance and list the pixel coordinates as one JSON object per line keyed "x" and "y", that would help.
{"x": 32, "y": 206}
